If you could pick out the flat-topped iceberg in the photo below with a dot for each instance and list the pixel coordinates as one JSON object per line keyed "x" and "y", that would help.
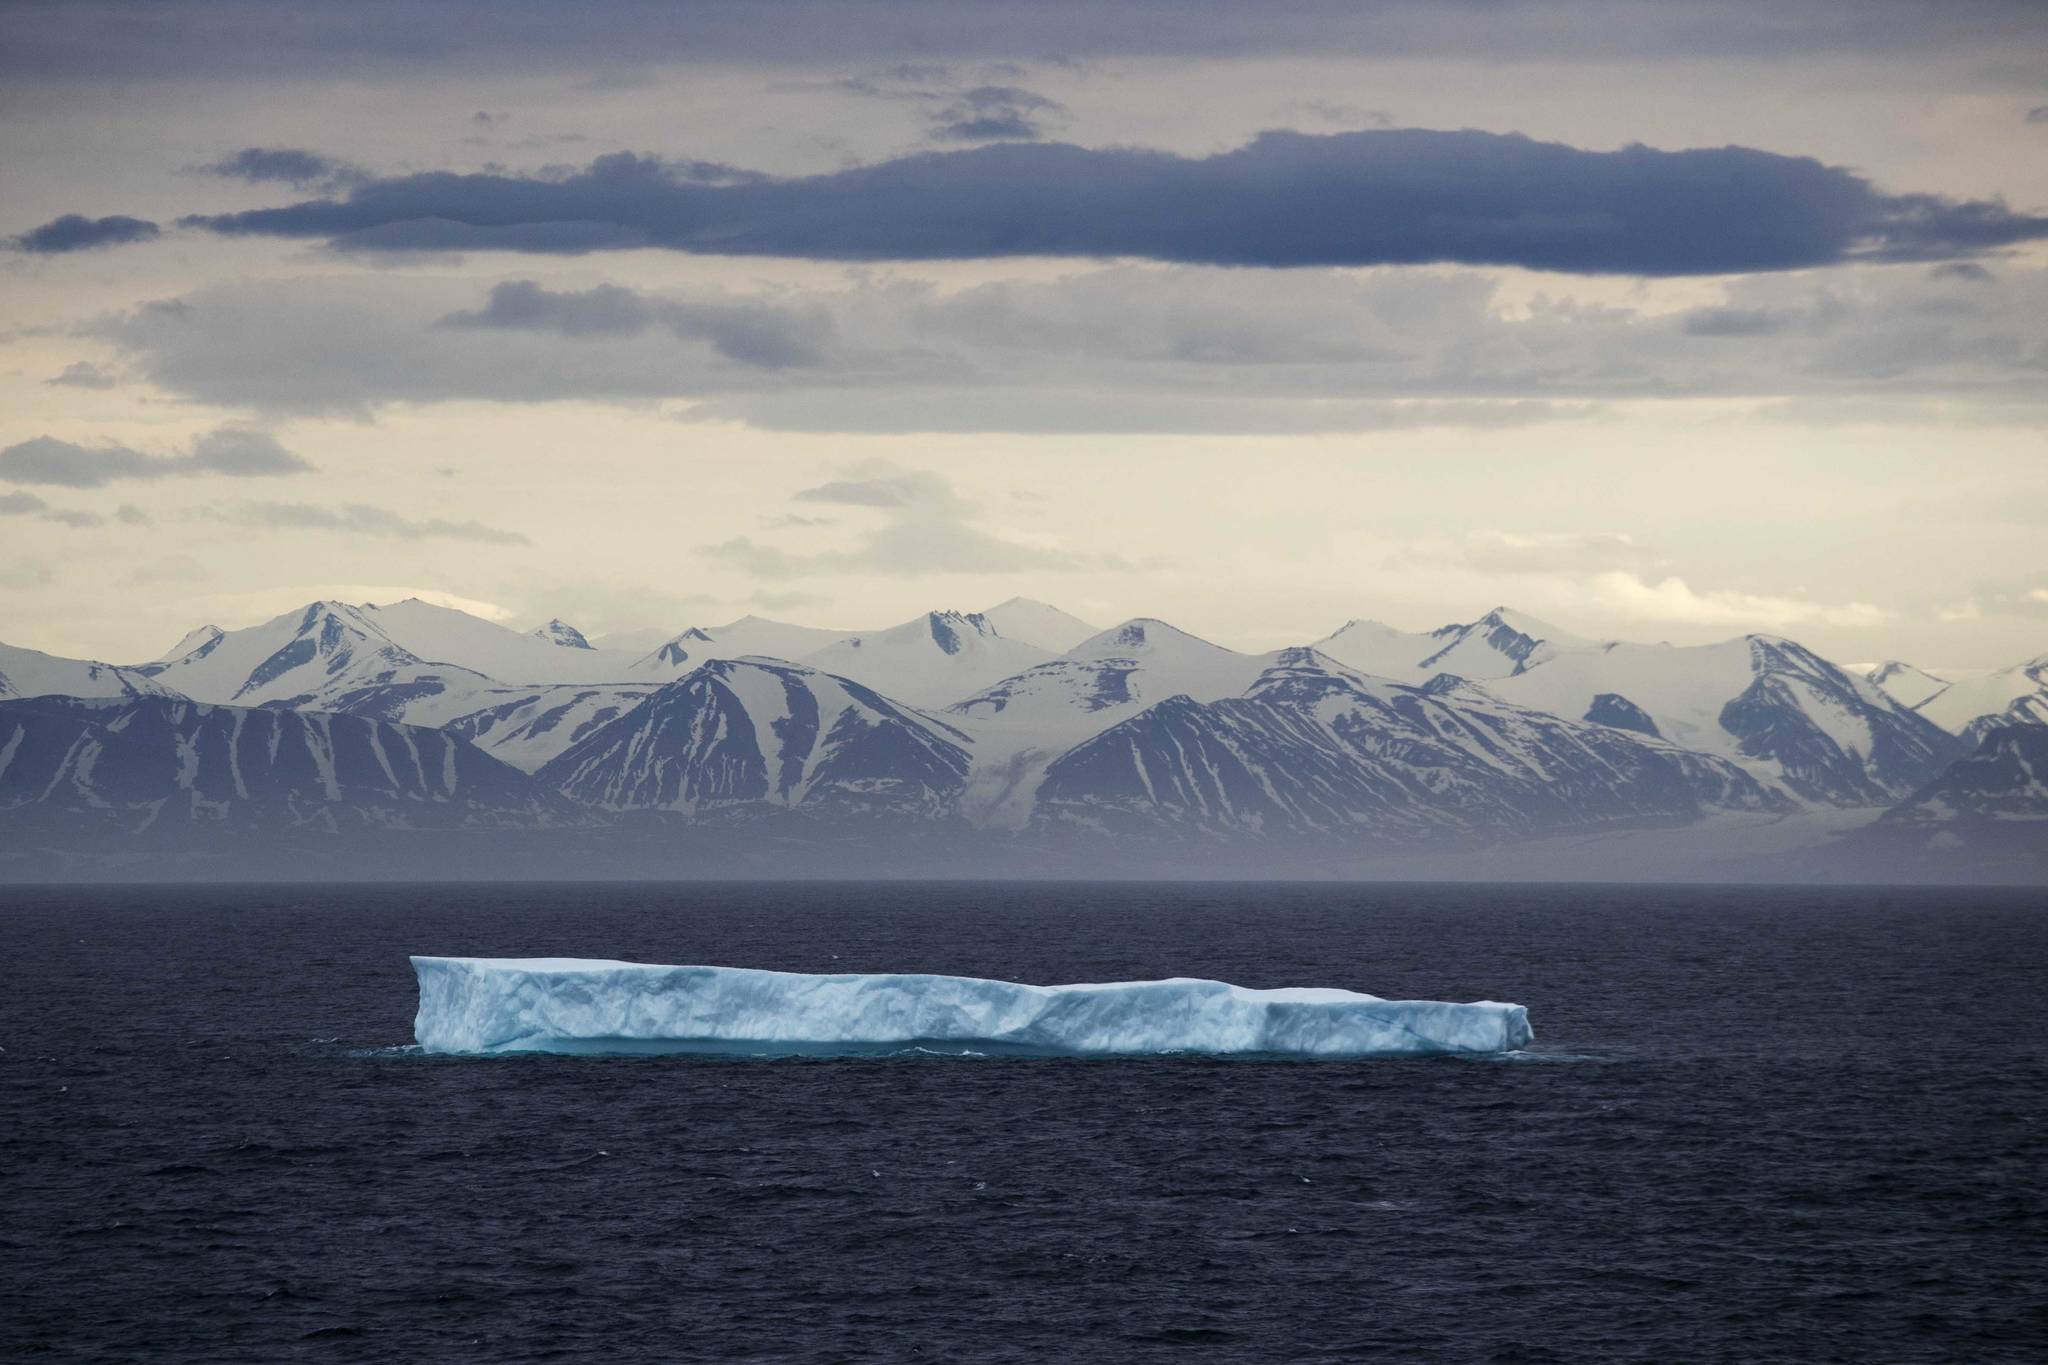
{"x": 577, "y": 1005}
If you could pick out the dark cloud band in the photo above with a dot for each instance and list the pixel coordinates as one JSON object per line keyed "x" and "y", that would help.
{"x": 1382, "y": 197}
{"x": 100, "y": 39}
{"x": 76, "y": 232}
{"x": 232, "y": 452}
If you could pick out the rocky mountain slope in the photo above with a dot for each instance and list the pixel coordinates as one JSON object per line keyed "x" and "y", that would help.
{"x": 161, "y": 764}
{"x": 748, "y": 736}
{"x": 1317, "y": 749}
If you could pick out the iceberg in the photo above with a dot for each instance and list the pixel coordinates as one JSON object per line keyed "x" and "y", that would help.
{"x": 474, "y": 1005}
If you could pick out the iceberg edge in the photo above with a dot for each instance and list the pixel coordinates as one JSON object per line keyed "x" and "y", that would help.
{"x": 482, "y": 1006}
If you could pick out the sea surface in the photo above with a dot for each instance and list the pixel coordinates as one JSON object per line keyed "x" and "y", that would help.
{"x": 1758, "y": 1125}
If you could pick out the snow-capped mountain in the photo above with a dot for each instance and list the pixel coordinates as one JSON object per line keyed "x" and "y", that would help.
{"x": 748, "y": 637}
{"x": 1038, "y": 623}
{"x": 1796, "y": 721}
{"x": 749, "y": 736}
{"x": 1171, "y": 660}
{"x": 2004, "y": 778}
{"x": 526, "y": 728}
{"x": 1024, "y": 722}
{"x": 327, "y": 656}
{"x": 1314, "y": 749}
{"x": 2032, "y": 709}
{"x": 444, "y": 635}
{"x": 1904, "y": 683}
{"x": 1963, "y": 701}
{"x": 1503, "y": 728}
{"x": 1983, "y": 818}
{"x": 195, "y": 639}
{"x": 560, "y": 632}
{"x": 1497, "y": 645}
{"x": 32, "y": 673}
{"x": 523, "y": 726}
{"x": 933, "y": 660}
{"x": 1380, "y": 650}
{"x": 315, "y": 657}
{"x": 162, "y": 764}
{"x": 638, "y": 643}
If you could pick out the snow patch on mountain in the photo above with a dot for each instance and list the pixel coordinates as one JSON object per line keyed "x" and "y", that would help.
{"x": 526, "y": 726}
{"x": 161, "y": 763}
{"x": 32, "y": 673}
{"x": 753, "y": 735}
{"x": 748, "y": 637}
{"x": 1499, "y": 644}
{"x": 560, "y": 632}
{"x": 1038, "y": 623}
{"x": 1963, "y": 701}
{"x": 196, "y": 640}
{"x": 1904, "y": 683}
{"x": 1023, "y": 723}
{"x": 1168, "y": 659}
{"x": 1316, "y": 749}
{"x": 1790, "y": 717}
{"x": 444, "y": 635}
{"x": 2004, "y": 779}
{"x": 931, "y": 661}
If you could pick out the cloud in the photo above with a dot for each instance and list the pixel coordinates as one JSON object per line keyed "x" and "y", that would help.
{"x": 750, "y": 333}
{"x": 926, "y": 528}
{"x": 128, "y": 514}
{"x": 1500, "y": 552}
{"x": 1961, "y": 613}
{"x": 2038, "y": 114}
{"x": 288, "y": 166}
{"x": 110, "y": 39}
{"x": 232, "y": 452}
{"x": 1346, "y": 114}
{"x": 1405, "y": 196}
{"x": 1672, "y": 599}
{"x": 76, "y": 232}
{"x": 25, "y": 573}
{"x": 994, "y": 113}
{"x": 359, "y": 519}
{"x": 1119, "y": 349}
{"x": 910, "y": 550}
{"x": 265, "y": 603}
{"x": 29, "y": 505}
{"x": 903, "y": 490}
{"x": 169, "y": 569}
{"x": 1735, "y": 322}
{"x": 83, "y": 374}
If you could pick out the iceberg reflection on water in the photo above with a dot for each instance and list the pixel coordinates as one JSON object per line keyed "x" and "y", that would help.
{"x": 590, "y": 1006}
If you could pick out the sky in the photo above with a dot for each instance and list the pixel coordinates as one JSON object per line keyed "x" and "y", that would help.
{"x": 1661, "y": 321}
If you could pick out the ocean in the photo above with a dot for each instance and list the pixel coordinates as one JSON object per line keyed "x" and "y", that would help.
{"x": 1758, "y": 1124}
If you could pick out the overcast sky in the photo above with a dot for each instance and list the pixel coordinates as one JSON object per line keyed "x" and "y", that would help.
{"x": 1660, "y": 321}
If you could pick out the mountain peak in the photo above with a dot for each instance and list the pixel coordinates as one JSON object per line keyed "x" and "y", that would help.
{"x": 560, "y": 632}
{"x": 205, "y": 637}
{"x": 1038, "y": 623}
{"x": 1522, "y": 623}
{"x": 947, "y": 627}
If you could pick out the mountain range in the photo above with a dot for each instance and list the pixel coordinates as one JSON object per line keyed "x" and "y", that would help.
{"x": 1021, "y": 733}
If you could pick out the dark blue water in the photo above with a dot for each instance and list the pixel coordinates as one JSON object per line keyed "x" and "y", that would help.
{"x": 1761, "y": 1125}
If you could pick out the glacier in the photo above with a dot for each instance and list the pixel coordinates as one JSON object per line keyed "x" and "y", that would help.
{"x": 589, "y": 1006}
